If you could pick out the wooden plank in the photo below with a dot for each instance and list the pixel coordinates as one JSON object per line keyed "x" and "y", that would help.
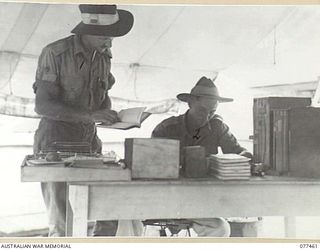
{"x": 67, "y": 174}
{"x": 280, "y": 141}
{"x": 77, "y": 212}
{"x": 191, "y": 200}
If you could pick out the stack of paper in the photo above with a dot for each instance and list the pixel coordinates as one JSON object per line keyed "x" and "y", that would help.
{"x": 229, "y": 166}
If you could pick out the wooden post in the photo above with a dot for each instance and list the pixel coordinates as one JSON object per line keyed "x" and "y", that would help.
{"x": 77, "y": 210}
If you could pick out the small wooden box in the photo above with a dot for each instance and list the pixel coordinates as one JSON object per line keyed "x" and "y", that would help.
{"x": 155, "y": 158}
{"x": 194, "y": 162}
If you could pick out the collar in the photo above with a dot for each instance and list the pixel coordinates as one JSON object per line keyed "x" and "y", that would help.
{"x": 185, "y": 123}
{"x": 200, "y": 133}
{"x": 78, "y": 46}
{"x": 108, "y": 52}
{"x": 80, "y": 49}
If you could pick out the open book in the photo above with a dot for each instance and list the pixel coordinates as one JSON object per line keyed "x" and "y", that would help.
{"x": 129, "y": 118}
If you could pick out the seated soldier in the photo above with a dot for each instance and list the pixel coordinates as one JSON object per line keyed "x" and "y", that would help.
{"x": 201, "y": 126}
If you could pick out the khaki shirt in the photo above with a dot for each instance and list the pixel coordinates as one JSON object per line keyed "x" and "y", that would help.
{"x": 83, "y": 79}
{"x": 215, "y": 133}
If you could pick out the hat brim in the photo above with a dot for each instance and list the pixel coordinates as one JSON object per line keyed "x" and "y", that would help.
{"x": 185, "y": 97}
{"x": 120, "y": 28}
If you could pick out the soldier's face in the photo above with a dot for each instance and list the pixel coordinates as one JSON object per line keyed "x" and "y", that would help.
{"x": 100, "y": 43}
{"x": 204, "y": 108}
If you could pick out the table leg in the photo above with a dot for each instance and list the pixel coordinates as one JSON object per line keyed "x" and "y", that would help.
{"x": 69, "y": 214}
{"x": 77, "y": 211}
{"x": 290, "y": 226}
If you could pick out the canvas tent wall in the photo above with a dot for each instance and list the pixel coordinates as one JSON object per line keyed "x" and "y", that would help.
{"x": 172, "y": 46}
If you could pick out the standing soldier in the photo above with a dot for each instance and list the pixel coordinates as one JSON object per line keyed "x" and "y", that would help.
{"x": 72, "y": 83}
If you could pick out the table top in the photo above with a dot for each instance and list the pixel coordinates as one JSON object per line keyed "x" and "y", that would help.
{"x": 191, "y": 198}
{"x": 254, "y": 180}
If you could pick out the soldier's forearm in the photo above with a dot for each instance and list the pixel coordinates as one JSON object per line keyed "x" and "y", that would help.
{"x": 59, "y": 111}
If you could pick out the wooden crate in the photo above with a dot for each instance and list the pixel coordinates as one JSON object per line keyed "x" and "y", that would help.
{"x": 61, "y": 173}
{"x": 263, "y": 111}
{"x": 298, "y": 153}
{"x": 152, "y": 157}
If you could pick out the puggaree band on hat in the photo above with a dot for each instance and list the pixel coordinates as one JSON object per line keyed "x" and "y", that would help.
{"x": 103, "y": 20}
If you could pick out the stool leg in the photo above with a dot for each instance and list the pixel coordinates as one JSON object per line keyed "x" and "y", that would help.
{"x": 144, "y": 230}
{"x": 163, "y": 232}
{"x": 188, "y": 231}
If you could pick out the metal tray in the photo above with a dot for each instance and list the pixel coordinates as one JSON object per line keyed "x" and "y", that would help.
{"x": 58, "y": 172}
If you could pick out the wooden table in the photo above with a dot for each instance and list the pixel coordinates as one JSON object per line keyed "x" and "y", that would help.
{"x": 190, "y": 198}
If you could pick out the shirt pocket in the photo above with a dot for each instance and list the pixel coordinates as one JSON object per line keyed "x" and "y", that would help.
{"x": 73, "y": 87}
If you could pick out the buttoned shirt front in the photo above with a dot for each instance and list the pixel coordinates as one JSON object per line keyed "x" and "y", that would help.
{"x": 75, "y": 78}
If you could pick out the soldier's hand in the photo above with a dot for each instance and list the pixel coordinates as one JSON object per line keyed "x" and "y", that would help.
{"x": 105, "y": 116}
{"x": 246, "y": 154}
